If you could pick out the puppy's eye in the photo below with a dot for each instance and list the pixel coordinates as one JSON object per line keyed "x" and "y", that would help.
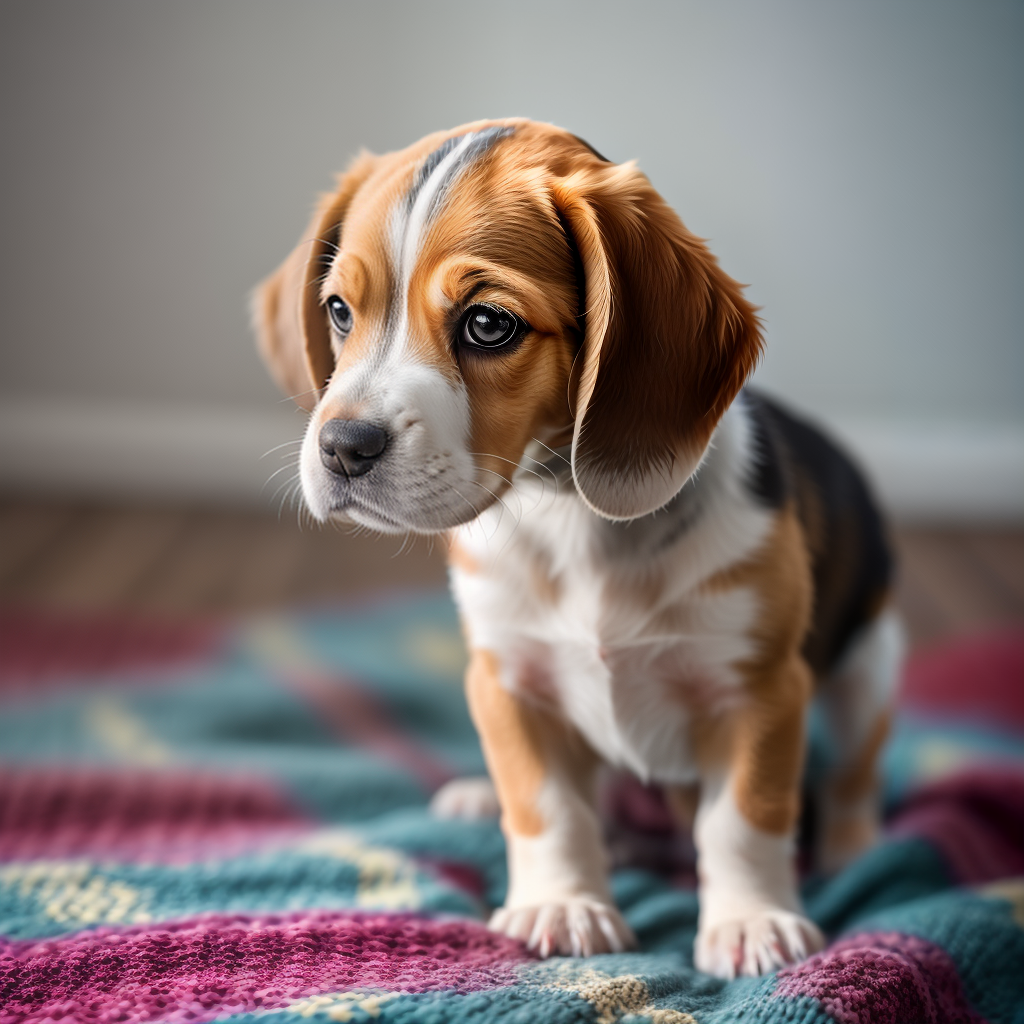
{"x": 340, "y": 314}
{"x": 490, "y": 327}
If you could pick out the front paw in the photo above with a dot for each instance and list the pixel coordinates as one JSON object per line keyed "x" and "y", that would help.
{"x": 574, "y": 927}
{"x": 756, "y": 944}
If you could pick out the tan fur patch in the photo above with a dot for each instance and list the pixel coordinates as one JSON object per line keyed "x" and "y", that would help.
{"x": 769, "y": 753}
{"x": 512, "y": 747}
{"x": 768, "y": 739}
{"x": 780, "y": 574}
{"x": 524, "y": 746}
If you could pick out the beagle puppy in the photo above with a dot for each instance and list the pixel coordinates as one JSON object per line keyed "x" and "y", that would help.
{"x": 507, "y": 339}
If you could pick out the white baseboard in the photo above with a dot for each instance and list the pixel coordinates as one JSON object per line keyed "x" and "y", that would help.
{"x": 943, "y": 471}
{"x": 938, "y": 472}
{"x": 151, "y": 451}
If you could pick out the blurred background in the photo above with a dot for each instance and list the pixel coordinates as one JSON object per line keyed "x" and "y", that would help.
{"x": 859, "y": 165}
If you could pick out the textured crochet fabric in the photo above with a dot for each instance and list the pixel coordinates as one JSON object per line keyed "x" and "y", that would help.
{"x": 210, "y": 822}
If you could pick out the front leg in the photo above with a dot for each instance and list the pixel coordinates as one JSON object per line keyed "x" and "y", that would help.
{"x": 751, "y": 920}
{"x": 558, "y": 898}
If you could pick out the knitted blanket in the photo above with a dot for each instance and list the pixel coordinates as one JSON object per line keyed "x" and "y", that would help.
{"x": 227, "y": 822}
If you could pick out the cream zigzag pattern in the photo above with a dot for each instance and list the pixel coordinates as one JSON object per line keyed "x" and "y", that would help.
{"x": 613, "y": 995}
{"x": 339, "y": 1005}
{"x": 387, "y": 880}
{"x": 73, "y": 892}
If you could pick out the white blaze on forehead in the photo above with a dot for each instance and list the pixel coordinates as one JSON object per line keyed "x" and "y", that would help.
{"x": 415, "y": 210}
{"x": 428, "y": 480}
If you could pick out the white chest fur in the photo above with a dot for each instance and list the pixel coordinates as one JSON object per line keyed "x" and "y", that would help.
{"x": 611, "y": 625}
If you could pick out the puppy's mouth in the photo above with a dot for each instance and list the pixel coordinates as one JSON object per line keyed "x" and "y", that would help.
{"x": 361, "y": 514}
{"x": 337, "y": 500}
{"x": 427, "y": 513}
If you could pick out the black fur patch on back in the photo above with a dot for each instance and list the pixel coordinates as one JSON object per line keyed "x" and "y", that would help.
{"x": 850, "y": 557}
{"x": 767, "y": 480}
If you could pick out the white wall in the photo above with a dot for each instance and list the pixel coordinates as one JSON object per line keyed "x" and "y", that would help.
{"x": 860, "y": 165}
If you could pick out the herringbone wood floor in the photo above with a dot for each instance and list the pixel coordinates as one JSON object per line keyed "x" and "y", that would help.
{"x": 162, "y": 560}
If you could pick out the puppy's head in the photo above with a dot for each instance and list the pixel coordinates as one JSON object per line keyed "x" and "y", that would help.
{"x": 484, "y": 287}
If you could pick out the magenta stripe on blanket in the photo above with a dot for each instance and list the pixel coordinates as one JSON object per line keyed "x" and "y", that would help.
{"x": 975, "y": 819}
{"x": 39, "y": 646}
{"x": 881, "y": 978}
{"x": 205, "y": 967}
{"x": 976, "y": 677}
{"x": 161, "y": 816}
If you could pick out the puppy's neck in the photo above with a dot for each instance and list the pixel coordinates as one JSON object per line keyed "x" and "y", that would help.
{"x": 545, "y": 494}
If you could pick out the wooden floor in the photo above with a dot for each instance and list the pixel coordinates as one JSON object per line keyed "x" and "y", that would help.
{"x": 161, "y": 560}
{"x": 164, "y": 560}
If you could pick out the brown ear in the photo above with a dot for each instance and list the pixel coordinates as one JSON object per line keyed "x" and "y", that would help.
{"x": 291, "y": 328}
{"x": 669, "y": 341}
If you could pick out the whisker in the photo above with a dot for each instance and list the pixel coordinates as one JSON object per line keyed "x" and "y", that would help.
{"x": 518, "y": 465}
{"x": 405, "y": 540}
{"x": 517, "y": 521}
{"x": 511, "y": 486}
{"x": 288, "y": 465}
{"x": 298, "y": 395}
{"x": 557, "y": 455}
{"x": 326, "y": 241}
{"x": 291, "y": 481}
{"x": 301, "y": 513}
{"x": 475, "y": 510}
{"x": 287, "y": 488}
{"x": 278, "y": 447}
{"x": 512, "y": 462}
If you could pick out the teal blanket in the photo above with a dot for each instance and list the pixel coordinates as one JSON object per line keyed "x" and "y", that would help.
{"x": 228, "y": 822}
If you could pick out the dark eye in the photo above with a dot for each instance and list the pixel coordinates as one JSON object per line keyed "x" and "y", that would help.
{"x": 340, "y": 314}
{"x": 489, "y": 327}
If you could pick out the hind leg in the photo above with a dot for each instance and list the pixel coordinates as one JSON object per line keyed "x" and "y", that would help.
{"x": 856, "y": 701}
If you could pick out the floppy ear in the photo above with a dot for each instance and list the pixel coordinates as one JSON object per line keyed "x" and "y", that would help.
{"x": 669, "y": 341}
{"x": 291, "y": 328}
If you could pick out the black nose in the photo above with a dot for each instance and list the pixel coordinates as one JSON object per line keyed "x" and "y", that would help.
{"x": 351, "y": 447}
